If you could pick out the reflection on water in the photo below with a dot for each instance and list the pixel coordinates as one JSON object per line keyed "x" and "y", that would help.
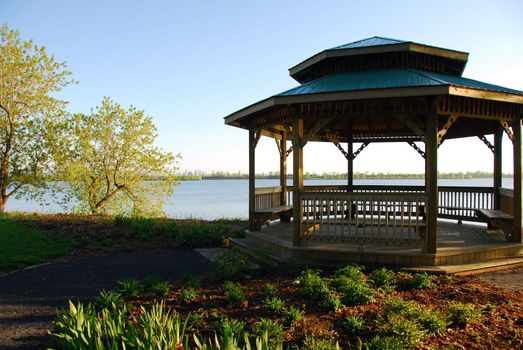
{"x": 211, "y": 199}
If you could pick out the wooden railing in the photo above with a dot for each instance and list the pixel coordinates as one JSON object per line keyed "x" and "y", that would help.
{"x": 384, "y": 218}
{"x": 460, "y": 203}
{"x": 457, "y": 203}
{"x": 267, "y": 197}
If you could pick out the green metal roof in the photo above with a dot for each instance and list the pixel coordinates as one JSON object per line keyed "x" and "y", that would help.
{"x": 374, "y": 41}
{"x": 388, "y": 78}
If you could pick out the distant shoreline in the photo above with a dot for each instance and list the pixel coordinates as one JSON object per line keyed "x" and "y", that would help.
{"x": 335, "y": 176}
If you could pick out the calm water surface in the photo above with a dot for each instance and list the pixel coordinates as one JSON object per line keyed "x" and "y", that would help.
{"x": 212, "y": 199}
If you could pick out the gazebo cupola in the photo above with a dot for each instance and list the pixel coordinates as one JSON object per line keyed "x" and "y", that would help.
{"x": 379, "y": 53}
{"x": 383, "y": 90}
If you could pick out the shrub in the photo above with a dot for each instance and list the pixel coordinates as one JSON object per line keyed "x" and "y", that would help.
{"x": 385, "y": 343}
{"x": 272, "y": 329}
{"x": 141, "y": 226}
{"x": 275, "y": 304}
{"x": 331, "y": 301}
{"x": 230, "y": 265}
{"x": 354, "y": 324}
{"x": 190, "y": 281}
{"x": 353, "y": 272}
{"x": 84, "y": 328}
{"x": 404, "y": 329}
{"x": 292, "y": 314}
{"x": 421, "y": 280}
{"x": 429, "y": 321}
{"x": 234, "y": 293}
{"x": 270, "y": 290}
{"x": 383, "y": 278}
{"x": 432, "y": 321}
{"x": 187, "y": 294}
{"x": 161, "y": 288}
{"x": 312, "y": 285}
{"x": 129, "y": 288}
{"x": 356, "y": 292}
{"x": 149, "y": 281}
{"x": 108, "y": 299}
{"x": 313, "y": 343}
{"x": 462, "y": 314}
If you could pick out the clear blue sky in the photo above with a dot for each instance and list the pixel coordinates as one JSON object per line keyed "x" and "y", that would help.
{"x": 190, "y": 63}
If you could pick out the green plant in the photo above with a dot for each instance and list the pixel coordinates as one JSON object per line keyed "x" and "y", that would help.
{"x": 232, "y": 327}
{"x": 234, "y": 293}
{"x": 270, "y": 290}
{"x": 160, "y": 328}
{"x": 190, "y": 280}
{"x": 354, "y": 324}
{"x": 312, "y": 285}
{"x": 354, "y": 272}
{"x": 404, "y": 329}
{"x": 462, "y": 314}
{"x": 432, "y": 321}
{"x": 230, "y": 265}
{"x": 292, "y": 314}
{"x": 108, "y": 299}
{"x": 275, "y": 304}
{"x": 428, "y": 320}
{"x": 356, "y": 292}
{"x": 187, "y": 294}
{"x": 161, "y": 288}
{"x": 383, "y": 278}
{"x": 129, "y": 288}
{"x": 421, "y": 280}
{"x": 273, "y": 329}
{"x": 149, "y": 281}
{"x": 385, "y": 343}
{"x": 331, "y": 301}
{"x": 196, "y": 318}
{"x": 313, "y": 343}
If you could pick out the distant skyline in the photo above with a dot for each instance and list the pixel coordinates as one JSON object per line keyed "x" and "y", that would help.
{"x": 189, "y": 64}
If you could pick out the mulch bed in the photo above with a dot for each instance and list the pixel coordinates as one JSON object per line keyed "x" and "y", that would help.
{"x": 500, "y": 326}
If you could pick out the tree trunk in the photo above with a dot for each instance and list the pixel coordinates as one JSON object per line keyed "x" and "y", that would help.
{"x": 2, "y": 204}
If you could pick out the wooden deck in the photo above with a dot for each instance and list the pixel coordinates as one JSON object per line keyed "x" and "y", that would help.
{"x": 456, "y": 244}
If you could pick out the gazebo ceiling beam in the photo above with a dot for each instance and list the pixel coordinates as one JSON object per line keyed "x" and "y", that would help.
{"x": 508, "y": 130}
{"x": 257, "y": 135}
{"x": 313, "y": 131}
{"x": 417, "y": 149}
{"x": 441, "y": 133}
{"x": 411, "y": 125}
{"x": 487, "y": 143}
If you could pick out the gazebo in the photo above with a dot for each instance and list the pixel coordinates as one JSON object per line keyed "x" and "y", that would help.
{"x": 385, "y": 90}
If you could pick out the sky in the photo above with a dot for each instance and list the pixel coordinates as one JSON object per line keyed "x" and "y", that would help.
{"x": 188, "y": 64}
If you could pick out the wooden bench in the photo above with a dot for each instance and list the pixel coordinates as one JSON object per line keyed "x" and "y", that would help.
{"x": 497, "y": 219}
{"x": 265, "y": 216}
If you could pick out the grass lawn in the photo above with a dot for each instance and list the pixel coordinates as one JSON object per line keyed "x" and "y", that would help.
{"x": 22, "y": 246}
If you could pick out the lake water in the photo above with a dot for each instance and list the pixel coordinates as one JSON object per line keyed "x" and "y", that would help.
{"x": 212, "y": 199}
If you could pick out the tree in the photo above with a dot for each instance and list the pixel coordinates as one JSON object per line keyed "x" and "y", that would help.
{"x": 29, "y": 115}
{"x": 112, "y": 165}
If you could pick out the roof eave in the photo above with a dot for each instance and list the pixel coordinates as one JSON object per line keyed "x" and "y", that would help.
{"x": 406, "y": 46}
{"x": 485, "y": 94}
{"x": 234, "y": 118}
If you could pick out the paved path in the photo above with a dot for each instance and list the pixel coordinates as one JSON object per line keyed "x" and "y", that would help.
{"x": 29, "y": 298}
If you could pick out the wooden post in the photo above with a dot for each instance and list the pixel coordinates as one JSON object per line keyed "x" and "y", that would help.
{"x": 297, "y": 180}
{"x": 431, "y": 181}
{"x": 283, "y": 168}
{"x": 498, "y": 136}
{"x": 350, "y": 165}
{"x": 516, "y": 129}
{"x": 252, "y": 173}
